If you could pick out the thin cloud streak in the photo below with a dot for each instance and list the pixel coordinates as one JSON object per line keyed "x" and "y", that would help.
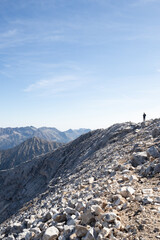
{"x": 8, "y": 34}
{"x": 54, "y": 85}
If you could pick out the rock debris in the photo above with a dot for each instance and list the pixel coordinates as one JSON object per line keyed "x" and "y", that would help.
{"x": 103, "y": 185}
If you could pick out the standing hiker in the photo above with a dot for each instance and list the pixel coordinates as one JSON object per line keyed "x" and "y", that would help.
{"x": 144, "y": 117}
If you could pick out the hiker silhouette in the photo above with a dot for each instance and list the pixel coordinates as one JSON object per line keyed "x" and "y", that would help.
{"x": 144, "y": 117}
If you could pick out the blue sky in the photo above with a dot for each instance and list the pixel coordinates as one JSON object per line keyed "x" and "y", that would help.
{"x": 79, "y": 63}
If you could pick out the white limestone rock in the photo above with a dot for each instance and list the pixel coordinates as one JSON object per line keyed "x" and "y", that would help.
{"x": 133, "y": 178}
{"x": 118, "y": 200}
{"x": 97, "y": 210}
{"x": 127, "y": 192}
{"x": 68, "y": 229}
{"x": 147, "y": 191}
{"x": 10, "y": 237}
{"x": 91, "y": 180}
{"x": 51, "y": 233}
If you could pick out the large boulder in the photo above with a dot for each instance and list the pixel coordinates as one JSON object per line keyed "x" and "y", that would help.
{"x": 51, "y": 233}
{"x": 87, "y": 217}
{"x": 81, "y": 231}
{"x": 157, "y": 168}
{"x": 153, "y": 152}
{"x": 155, "y": 132}
{"x": 139, "y": 158}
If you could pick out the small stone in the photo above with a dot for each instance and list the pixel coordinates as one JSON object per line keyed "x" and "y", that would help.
{"x": 73, "y": 236}
{"x": 91, "y": 180}
{"x": 125, "y": 177}
{"x": 70, "y": 210}
{"x": 110, "y": 217}
{"x": 29, "y": 235}
{"x": 117, "y": 224}
{"x": 118, "y": 199}
{"x": 68, "y": 229}
{"x": 104, "y": 233}
{"x": 157, "y": 199}
{"x": 48, "y": 216}
{"x": 147, "y": 191}
{"x": 133, "y": 178}
{"x": 96, "y": 209}
{"x": 80, "y": 206}
{"x": 90, "y": 235}
{"x": 10, "y": 237}
{"x": 147, "y": 200}
{"x": 60, "y": 217}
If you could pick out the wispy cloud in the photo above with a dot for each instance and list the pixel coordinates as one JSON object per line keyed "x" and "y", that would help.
{"x": 54, "y": 85}
{"x": 15, "y": 39}
{"x": 9, "y": 33}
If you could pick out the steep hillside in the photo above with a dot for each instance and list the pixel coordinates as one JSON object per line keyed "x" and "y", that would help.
{"x": 103, "y": 185}
{"x": 11, "y": 137}
{"x": 25, "y": 151}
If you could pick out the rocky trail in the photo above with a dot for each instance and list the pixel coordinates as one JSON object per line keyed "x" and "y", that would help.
{"x": 103, "y": 185}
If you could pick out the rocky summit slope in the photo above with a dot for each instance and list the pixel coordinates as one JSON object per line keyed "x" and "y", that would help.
{"x": 103, "y": 185}
{"x": 27, "y": 150}
{"x": 11, "y": 137}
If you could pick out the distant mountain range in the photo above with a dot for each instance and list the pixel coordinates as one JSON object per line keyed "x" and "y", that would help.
{"x": 27, "y": 150}
{"x": 11, "y": 137}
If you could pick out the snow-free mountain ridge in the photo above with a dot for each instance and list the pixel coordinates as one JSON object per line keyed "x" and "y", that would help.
{"x": 11, "y": 137}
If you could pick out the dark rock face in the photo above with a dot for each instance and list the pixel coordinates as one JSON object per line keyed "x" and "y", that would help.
{"x": 27, "y": 150}
{"x": 11, "y": 137}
